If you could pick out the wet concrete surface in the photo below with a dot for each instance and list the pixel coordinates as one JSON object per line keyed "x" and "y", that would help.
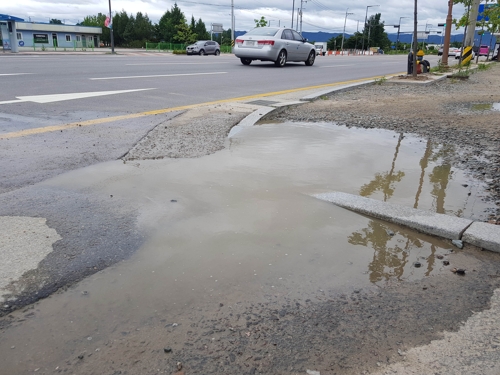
{"x": 238, "y": 269}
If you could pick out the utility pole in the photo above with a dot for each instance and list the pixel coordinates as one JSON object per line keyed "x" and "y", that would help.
{"x": 415, "y": 41}
{"x": 232, "y": 25}
{"x": 469, "y": 35}
{"x": 301, "y": 7}
{"x": 447, "y": 34}
{"x": 111, "y": 29}
{"x": 343, "y": 33}
{"x": 293, "y": 9}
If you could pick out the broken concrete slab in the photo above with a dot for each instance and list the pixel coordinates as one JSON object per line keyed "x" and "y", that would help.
{"x": 423, "y": 221}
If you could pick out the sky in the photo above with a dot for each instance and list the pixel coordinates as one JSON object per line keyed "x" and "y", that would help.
{"x": 317, "y": 15}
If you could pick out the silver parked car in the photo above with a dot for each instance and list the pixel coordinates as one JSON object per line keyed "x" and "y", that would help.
{"x": 274, "y": 44}
{"x": 204, "y": 47}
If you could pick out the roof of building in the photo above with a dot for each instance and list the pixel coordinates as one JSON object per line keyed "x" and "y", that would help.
{"x": 6, "y": 17}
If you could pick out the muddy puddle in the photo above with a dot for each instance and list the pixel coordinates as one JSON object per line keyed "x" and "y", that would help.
{"x": 486, "y": 107}
{"x": 240, "y": 226}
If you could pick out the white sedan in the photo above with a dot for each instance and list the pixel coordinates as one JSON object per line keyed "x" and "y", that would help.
{"x": 278, "y": 45}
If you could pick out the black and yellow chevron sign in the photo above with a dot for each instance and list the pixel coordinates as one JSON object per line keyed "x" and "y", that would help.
{"x": 467, "y": 55}
{"x": 232, "y": 43}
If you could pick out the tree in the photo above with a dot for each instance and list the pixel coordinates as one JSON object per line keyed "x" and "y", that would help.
{"x": 185, "y": 34}
{"x": 169, "y": 22}
{"x": 201, "y": 30}
{"x": 334, "y": 43}
{"x": 98, "y": 21}
{"x": 260, "y": 23}
{"x": 375, "y": 29}
{"x": 120, "y": 21}
{"x": 143, "y": 27}
{"x": 55, "y": 21}
{"x": 129, "y": 34}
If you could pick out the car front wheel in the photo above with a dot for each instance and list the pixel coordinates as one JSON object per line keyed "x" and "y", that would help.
{"x": 311, "y": 58}
{"x": 281, "y": 60}
{"x": 202, "y": 52}
{"x": 246, "y": 61}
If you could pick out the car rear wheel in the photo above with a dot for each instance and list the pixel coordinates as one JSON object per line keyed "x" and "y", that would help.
{"x": 281, "y": 60}
{"x": 217, "y": 53}
{"x": 202, "y": 52}
{"x": 246, "y": 61}
{"x": 311, "y": 58}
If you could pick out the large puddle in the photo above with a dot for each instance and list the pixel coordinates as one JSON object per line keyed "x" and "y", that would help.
{"x": 240, "y": 225}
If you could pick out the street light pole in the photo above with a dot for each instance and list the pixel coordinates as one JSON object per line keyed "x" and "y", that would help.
{"x": 293, "y": 9}
{"x": 343, "y": 33}
{"x": 364, "y": 29}
{"x": 399, "y": 28}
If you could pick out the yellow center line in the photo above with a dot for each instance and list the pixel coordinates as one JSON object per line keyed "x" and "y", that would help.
{"x": 53, "y": 128}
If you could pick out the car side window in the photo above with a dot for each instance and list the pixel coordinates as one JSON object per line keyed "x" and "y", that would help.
{"x": 287, "y": 34}
{"x": 297, "y": 36}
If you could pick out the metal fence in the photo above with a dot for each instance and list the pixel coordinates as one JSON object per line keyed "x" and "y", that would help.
{"x": 167, "y": 47}
{"x": 77, "y": 46}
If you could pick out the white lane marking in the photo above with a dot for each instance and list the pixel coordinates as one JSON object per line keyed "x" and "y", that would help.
{"x": 156, "y": 76}
{"x": 13, "y": 74}
{"x": 61, "y": 97}
{"x": 178, "y": 63}
{"x": 334, "y": 66}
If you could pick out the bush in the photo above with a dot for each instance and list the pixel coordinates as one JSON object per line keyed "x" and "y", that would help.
{"x": 179, "y": 51}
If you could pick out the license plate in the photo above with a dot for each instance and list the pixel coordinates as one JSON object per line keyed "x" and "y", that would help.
{"x": 250, "y": 42}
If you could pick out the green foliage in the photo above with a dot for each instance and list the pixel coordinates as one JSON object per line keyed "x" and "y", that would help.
{"x": 260, "y": 23}
{"x": 201, "y": 30}
{"x": 185, "y": 34}
{"x": 55, "y": 21}
{"x": 179, "y": 51}
{"x": 136, "y": 31}
{"x": 380, "y": 81}
{"x": 483, "y": 66}
{"x": 169, "y": 22}
{"x": 378, "y": 36}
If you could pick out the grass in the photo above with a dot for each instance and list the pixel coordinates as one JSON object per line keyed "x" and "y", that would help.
{"x": 483, "y": 66}
{"x": 323, "y": 97}
{"x": 380, "y": 81}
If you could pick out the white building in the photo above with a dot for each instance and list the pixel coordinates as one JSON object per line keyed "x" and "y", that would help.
{"x": 19, "y": 33}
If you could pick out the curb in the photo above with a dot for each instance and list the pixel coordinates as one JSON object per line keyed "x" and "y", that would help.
{"x": 484, "y": 235}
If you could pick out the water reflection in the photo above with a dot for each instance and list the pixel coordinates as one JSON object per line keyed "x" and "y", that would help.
{"x": 385, "y": 181}
{"x": 395, "y": 252}
{"x": 391, "y": 257}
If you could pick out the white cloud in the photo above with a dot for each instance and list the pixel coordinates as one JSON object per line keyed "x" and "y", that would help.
{"x": 318, "y": 15}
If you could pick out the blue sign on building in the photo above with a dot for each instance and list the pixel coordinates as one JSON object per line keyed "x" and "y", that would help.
{"x": 480, "y": 14}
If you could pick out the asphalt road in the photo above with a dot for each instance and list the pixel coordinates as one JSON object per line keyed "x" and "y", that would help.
{"x": 168, "y": 80}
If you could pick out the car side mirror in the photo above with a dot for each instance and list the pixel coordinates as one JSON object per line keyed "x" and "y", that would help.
{"x": 304, "y": 40}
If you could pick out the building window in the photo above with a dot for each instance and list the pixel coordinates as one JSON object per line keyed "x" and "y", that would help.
{"x": 78, "y": 38}
{"x": 90, "y": 39}
{"x": 68, "y": 38}
{"x": 19, "y": 36}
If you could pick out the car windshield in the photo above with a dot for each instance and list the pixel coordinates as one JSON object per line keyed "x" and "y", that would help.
{"x": 264, "y": 31}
